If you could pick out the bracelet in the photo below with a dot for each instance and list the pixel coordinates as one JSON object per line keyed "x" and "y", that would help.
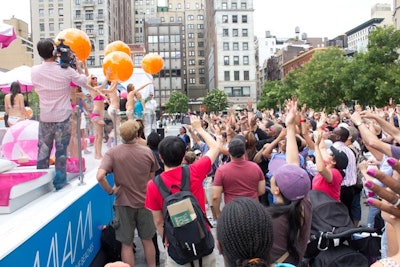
{"x": 302, "y": 121}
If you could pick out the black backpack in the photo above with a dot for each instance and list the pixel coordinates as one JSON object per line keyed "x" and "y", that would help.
{"x": 192, "y": 240}
{"x": 340, "y": 256}
{"x": 110, "y": 246}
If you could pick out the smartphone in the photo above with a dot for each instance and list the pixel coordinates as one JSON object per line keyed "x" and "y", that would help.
{"x": 186, "y": 120}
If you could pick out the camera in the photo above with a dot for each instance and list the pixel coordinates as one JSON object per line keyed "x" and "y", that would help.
{"x": 67, "y": 57}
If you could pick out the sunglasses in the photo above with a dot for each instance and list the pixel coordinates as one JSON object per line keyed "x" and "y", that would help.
{"x": 94, "y": 78}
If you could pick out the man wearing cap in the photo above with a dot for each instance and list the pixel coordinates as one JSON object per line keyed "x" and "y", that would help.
{"x": 133, "y": 165}
{"x": 339, "y": 136}
{"x": 237, "y": 178}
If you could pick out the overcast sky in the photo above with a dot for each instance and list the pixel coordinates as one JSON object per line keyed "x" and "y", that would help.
{"x": 317, "y": 18}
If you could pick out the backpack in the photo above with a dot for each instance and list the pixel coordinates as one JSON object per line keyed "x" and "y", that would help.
{"x": 110, "y": 246}
{"x": 340, "y": 256}
{"x": 188, "y": 237}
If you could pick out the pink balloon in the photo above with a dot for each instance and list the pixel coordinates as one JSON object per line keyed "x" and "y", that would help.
{"x": 124, "y": 94}
{"x": 20, "y": 143}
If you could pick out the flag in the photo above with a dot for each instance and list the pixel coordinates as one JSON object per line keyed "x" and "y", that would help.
{"x": 7, "y": 35}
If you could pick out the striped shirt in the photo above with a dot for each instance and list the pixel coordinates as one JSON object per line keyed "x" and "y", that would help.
{"x": 350, "y": 177}
{"x": 52, "y": 84}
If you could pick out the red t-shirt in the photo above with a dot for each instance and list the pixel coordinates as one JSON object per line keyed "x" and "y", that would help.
{"x": 331, "y": 189}
{"x": 198, "y": 172}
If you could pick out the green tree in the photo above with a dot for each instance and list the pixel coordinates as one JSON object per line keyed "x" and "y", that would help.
{"x": 216, "y": 100}
{"x": 177, "y": 103}
{"x": 274, "y": 94}
{"x": 373, "y": 76}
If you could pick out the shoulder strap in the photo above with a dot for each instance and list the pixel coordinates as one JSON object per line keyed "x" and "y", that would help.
{"x": 185, "y": 182}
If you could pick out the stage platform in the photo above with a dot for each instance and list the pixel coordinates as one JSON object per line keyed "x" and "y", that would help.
{"x": 55, "y": 228}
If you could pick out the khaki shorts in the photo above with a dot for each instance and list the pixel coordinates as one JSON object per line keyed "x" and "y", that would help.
{"x": 127, "y": 219}
{"x": 209, "y": 261}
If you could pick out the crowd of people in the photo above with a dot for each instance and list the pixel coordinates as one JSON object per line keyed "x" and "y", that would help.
{"x": 253, "y": 169}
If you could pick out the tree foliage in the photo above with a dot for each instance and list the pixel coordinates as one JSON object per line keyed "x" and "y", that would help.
{"x": 216, "y": 100}
{"x": 177, "y": 103}
{"x": 331, "y": 78}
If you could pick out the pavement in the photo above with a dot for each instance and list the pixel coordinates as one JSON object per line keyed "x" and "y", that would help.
{"x": 173, "y": 130}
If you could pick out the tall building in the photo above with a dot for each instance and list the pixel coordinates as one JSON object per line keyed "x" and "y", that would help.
{"x": 20, "y": 51}
{"x": 232, "y": 51}
{"x": 100, "y": 19}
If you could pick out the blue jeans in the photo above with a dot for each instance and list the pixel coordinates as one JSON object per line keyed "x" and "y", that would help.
{"x": 60, "y": 133}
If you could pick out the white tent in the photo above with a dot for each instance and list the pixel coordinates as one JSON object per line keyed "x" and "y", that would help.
{"x": 138, "y": 78}
{"x": 22, "y": 74}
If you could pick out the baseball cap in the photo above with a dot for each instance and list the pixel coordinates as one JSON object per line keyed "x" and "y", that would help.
{"x": 237, "y": 147}
{"x": 293, "y": 181}
{"x": 340, "y": 157}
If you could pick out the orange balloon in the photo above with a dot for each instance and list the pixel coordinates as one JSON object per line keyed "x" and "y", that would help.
{"x": 117, "y": 46}
{"x": 120, "y": 66}
{"x": 77, "y": 40}
{"x": 152, "y": 63}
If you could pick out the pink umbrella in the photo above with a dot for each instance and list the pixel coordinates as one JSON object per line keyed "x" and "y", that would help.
{"x": 7, "y": 35}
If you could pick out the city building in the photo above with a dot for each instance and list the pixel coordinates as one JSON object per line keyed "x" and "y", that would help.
{"x": 20, "y": 51}
{"x": 231, "y": 50}
{"x": 357, "y": 38}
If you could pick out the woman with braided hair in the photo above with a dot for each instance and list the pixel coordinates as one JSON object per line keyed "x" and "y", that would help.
{"x": 244, "y": 233}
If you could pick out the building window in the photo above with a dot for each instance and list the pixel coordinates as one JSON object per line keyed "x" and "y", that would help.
{"x": 234, "y": 5}
{"x": 61, "y": 26}
{"x": 89, "y": 29}
{"x": 171, "y": 19}
{"x": 200, "y": 44}
{"x": 234, "y": 19}
{"x": 41, "y": 27}
{"x": 200, "y": 35}
{"x": 191, "y": 53}
{"x": 91, "y": 61}
{"x": 101, "y": 30}
{"x": 192, "y": 71}
{"x": 192, "y": 62}
{"x": 227, "y": 76}
{"x": 100, "y": 1}
{"x": 190, "y": 26}
{"x": 237, "y": 91}
{"x": 162, "y": 19}
{"x": 243, "y": 5}
{"x": 190, "y": 17}
{"x": 245, "y": 46}
{"x": 51, "y": 27}
{"x": 244, "y": 19}
{"x": 188, "y": 6}
{"x": 77, "y": 2}
{"x": 41, "y": 12}
{"x": 61, "y": 12}
{"x": 101, "y": 59}
{"x": 226, "y": 60}
{"x": 190, "y": 35}
{"x": 200, "y": 26}
{"x": 200, "y": 17}
{"x": 192, "y": 81}
{"x": 101, "y": 44}
{"x": 179, "y": 6}
{"x": 202, "y": 80}
{"x": 89, "y": 15}
{"x": 190, "y": 44}
{"x": 245, "y": 32}
{"x": 235, "y": 46}
{"x": 77, "y": 14}
{"x": 224, "y": 5}
{"x": 236, "y": 75}
{"x": 179, "y": 19}
{"x": 235, "y": 60}
{"x": 201, "y": 53}
{"x": 245, "y": 60}
{"x": 246, "y": 75}
{"x": 202, "y": 62}
{"x": 225, "y": 32}
{"x": 226, "y": 46}
{"x": 235, "y": 32}
{"x": 224, "y": 18}
{"x": 202, "y": 71}
{"x": 51, "y": 12}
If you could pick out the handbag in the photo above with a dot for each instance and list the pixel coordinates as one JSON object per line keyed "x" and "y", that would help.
{"x": 73, "y": 165}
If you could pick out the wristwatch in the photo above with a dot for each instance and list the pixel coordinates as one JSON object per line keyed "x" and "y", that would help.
{"x": 358, "y": 123}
